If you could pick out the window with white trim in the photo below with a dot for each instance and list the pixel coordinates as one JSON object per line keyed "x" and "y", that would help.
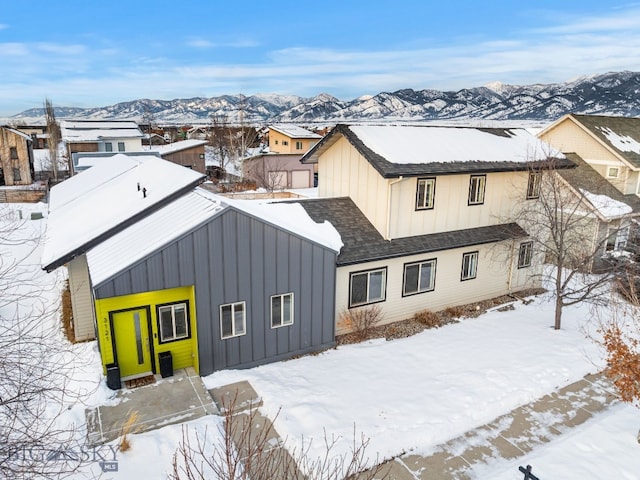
{"x": 613, "y": 172}
{"x": 108, "y": 147}
{"x": 476, "y": 189}
{"x": 469, "y": 265}
{"x": 525, "y": 254}
{"x": 233, "y": 320}
{"x": 281, "y": 310}
{"x": 419, "y": 277}
{"x": 367, "y": 287}
{"x": 298, "y": 145}
{"x": 425, "y": 193}
{"x": 173, "y": 321}
{"x": 533, "y": 186}
{"x": 121, "y": 146}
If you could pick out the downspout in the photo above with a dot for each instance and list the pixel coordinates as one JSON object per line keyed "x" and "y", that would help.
{"x": 388, "y": 219}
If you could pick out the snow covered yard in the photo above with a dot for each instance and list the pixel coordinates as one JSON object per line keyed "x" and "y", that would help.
{"x": 406, "y": 395}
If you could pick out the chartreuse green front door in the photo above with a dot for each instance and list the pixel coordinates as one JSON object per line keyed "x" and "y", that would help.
{"x": 133, "y": 349}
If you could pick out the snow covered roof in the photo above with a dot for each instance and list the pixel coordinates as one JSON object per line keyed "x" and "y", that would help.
{"x": 88, "y": 131}
{"x": 97, "y": 203}
{"x": 151, "y": 233}
{"x": 619, "y": 134}
{"x": 408, "y": 150}
{"x": 177, "y": 146}
{"x": 293, "y": 131}
{"x": 19, "y": 133}
{"x": 187, "y": 212}
{"x": 607, "y": 201}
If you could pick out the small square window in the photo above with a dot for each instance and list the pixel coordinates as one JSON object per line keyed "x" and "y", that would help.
{"x": 281, "y": 310}
{"x": 232, "y": 320}
{"x": 469, "y": 266}
{"x": 476, "y": 189}
{"x": 173, "y": 322}
{"x": 533, "y": 186}
{"x": 425, "y": 193}
{"x": 367, "y": 287}
{"x": 613, "y": 172}
{"x": 419, "y": 277}
{"x": 121, "y": 146}
{"x": 524, "y": 254}
{"x": 285, "y": 142}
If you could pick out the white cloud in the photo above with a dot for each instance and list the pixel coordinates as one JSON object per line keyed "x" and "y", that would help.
{"x": 3, "y": 26}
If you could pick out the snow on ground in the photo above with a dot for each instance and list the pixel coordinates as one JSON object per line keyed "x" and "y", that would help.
{"x": 418, "y": 392}
{"x": 407, "y": 394}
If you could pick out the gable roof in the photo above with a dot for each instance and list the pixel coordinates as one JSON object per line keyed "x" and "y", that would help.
{"x": 293, "y": 131}
{"x": 363, "y": 243}
{"x": 177, "y": 146}
{"x": 79, "y": 131}
{"x": 25, "y": 136}
{"x": 608, "y": 202}
{"x": 103, "y": 200}
{"x": 188, "y": 212}
{"x": 621, "y": 135}
{"x": 410, "y": 150}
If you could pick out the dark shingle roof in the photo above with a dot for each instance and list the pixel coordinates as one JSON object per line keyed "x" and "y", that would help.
{"x": 598, "y": 125}
{"x": 584, "y": 177}
{"x": 389, "y": 169}
{"x": 363, "y": 243}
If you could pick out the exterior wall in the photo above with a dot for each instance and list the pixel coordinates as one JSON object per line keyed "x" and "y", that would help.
{"x": 451, "y": 210}
{"x": 570, "y": 138}
{"x": 189, "y": 157}
{"x": 343, "y": 172}
{"x": 234, "y": 258}
{"x": 82, "y": 147}
{"x": 130, "y": 144}
{"x": 280, "y": 143}
{"x": 184, "y": 352}
{"x": 497, "y": 274}
{"x": 24, "y": 162}
{"x": 258, "y": 169}
{"x": 81, "y": 299}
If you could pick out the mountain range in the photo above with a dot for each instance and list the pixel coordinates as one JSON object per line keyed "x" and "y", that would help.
{"x": 614, "y": 93}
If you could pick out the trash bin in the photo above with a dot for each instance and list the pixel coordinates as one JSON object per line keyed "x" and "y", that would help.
{"x": 113, "y": 376}
{"x": 166, "y": 364}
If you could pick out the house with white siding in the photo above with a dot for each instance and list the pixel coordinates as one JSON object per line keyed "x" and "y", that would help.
{"x": 424, "y": 214}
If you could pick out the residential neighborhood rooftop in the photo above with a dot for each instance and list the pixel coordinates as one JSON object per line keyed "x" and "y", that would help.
{"x": 293, "y": 131}
{"x": 177, "y": 146}
{"x": 78, "y": 131}
{"x": 105, "y": 199}
{"x": 362, "y": 242}
{"x": 409, "y": 150}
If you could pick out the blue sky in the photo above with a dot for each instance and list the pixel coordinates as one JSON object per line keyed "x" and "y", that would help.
{"x": 96, "y": 53}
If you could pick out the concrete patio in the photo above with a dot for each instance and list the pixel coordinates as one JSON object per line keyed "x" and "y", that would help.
{"x": 188, "y": 396}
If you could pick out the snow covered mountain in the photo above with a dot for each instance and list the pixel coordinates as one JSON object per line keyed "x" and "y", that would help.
{"x": 613, "y": 93}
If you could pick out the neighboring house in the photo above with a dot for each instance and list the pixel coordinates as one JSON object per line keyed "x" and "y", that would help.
{"x": 274, "y": 171}
{"x": 82, "y": 161}
{"x": 188, "y": 153}
{"x": 424, "y": 214}
{"x": 607, "y": 151}
{"x": 291, "y": 139}
{"x": 174, "y": 268}
{"x": 38, "y": 134}
{"x": 100, "y": 136}
{"x": 198, "y": 133}
{"x": 611, "y": 212}
{"x": 610, "y": 145}
{"x": 16, "y": 157}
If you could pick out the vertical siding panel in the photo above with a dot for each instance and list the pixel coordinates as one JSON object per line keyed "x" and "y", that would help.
{"x": 270, "y": 281}
{"x": 205, "y": 314}
{"x": 186, "y": 261}
{"x": 305, "y": 300}
{"x": 318, "y": 288}
{"x": 295, "y": 273}
{"x": 219, "y": 296}
{"x": 243, "y": 273}
{"x": 258, "y": 285}
{"x": 229, "y": 257}
{"x": 327, "y": 296}
{"x": 154, "y": 272}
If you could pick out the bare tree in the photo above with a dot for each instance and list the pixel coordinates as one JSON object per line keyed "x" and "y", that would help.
{"x": 564, "y": 228}
{"x": 34, "y": 364}
{"x": 268, "y": 172}
{"x": 53, "y": 131}
{"x": 247, "y": 447}
{"x": 230, "y": 143}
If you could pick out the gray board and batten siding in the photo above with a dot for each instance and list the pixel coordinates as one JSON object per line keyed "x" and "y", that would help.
{"x": 235, "y": 257}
